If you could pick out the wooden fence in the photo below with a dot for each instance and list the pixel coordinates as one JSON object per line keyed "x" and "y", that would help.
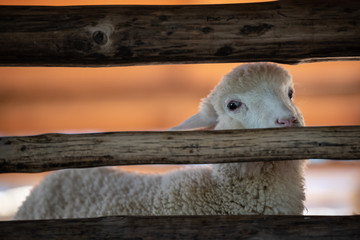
{"x": 285, "y": 31}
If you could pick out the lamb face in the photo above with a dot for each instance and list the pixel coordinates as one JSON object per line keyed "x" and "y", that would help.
{"x": 260, "y": 97}
{"x": 250, "y": 96}
{"x": 266, "y": 105}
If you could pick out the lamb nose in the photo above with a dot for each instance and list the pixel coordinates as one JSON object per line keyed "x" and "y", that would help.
{"x": 286, "y": 122}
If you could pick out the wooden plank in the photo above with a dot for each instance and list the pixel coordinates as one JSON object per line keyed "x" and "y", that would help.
{"x": 187, "y": 227}
{"x": 56, "y": 151}
{"x": 280, "y": 31}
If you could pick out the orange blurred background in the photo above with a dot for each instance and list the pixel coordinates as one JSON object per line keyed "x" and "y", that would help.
{"x": 36, "y": 100}
{"x": 43, "y": 100}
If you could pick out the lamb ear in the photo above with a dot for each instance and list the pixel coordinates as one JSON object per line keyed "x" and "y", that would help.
{"x": 206, "y": 119}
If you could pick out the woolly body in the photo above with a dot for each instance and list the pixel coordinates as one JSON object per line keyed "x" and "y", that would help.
{"x": 235, "y": 188}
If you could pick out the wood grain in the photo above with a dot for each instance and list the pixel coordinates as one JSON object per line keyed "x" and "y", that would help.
{"x": 56, "y": 151}
{"x": 187, "y": 227}
{"x": 283, "y": 31}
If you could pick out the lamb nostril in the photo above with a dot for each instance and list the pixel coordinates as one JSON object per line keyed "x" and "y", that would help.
{"x": 294, "y": 120}
{"x": 286, "y": 122}
{"x": 280, "y": 121}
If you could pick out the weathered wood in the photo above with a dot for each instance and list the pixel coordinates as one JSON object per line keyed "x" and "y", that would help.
{"x": 56, "y": 151}
{"x": 281, "y": 31}
{"x": 187, "y": 227}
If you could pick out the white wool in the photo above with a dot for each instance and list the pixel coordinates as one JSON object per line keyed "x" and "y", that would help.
{"x": 234, "y": 188}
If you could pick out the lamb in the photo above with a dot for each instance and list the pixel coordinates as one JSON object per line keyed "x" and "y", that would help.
{"x": 257, "y": 95}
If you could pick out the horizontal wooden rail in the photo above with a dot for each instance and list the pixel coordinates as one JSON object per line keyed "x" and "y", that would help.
{"x": 56, "y": 151}
{"x": 187, "y": 227}
{"x": 282, "y": 31}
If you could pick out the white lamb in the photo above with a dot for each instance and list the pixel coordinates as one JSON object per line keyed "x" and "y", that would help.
{"x": 251, "y": 96}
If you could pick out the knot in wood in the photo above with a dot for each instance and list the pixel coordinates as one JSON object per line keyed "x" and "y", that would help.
{"x": 100, "y": 37}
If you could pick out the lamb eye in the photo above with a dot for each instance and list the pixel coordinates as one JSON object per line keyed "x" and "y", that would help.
{"x": 291, "y": 93}
{"x": 233, "y": 105}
